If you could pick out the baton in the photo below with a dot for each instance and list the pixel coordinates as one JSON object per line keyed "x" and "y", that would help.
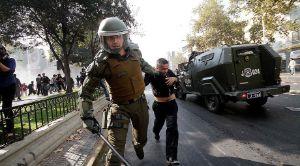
{"x": 113, "y": 149}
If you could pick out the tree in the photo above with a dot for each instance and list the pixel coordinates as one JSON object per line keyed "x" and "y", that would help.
{"x": 8, "y": 21}
{"x": 256, "y": 33}
{"x": 268, "y": 16}
{"x": 63, "y": 24}
{"x": 178, "y": 58}
{"x": 214, "y": 27}
{"x": 84, "y": 52}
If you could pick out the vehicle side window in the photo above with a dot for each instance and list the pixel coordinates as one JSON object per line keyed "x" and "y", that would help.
{"x": 246, "y": 52}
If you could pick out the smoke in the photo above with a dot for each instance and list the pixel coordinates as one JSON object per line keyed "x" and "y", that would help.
{"x": 31, "y": 62}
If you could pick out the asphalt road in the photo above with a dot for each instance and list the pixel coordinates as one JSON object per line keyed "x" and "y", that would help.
{"x": 292, "y": 80}
{"x": 239, "y": 136}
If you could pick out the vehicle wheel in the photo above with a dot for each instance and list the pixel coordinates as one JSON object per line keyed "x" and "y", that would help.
{"x": 213, "y": 103}
{"x": 180, "y": 94}
{"x": 257, "y": 102}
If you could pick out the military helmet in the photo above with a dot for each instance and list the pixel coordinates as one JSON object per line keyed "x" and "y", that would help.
{"x": 112, "y": 26}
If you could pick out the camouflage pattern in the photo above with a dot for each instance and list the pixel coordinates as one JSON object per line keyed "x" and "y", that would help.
{"x": 118, "y": 123}
{"x": 120, "y": 113}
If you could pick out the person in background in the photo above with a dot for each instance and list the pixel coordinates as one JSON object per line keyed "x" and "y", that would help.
{"x": 60, "y": 82}
{"x": 45, "y": 84}
{"x": 53, "y": 84}
{"x": 39, "y": 84}
{"x": 292, "y": 65}
{"x": 31, "y": 88}
{"x": 24, "y": 89}
{"x": 7, "y": 88}
{"x": 18, "y": 88}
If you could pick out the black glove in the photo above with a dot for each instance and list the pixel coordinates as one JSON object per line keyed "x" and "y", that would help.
{"x": 92, "y": 124}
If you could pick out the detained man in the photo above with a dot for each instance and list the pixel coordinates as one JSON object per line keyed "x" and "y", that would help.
{"x": 165, "y": 107}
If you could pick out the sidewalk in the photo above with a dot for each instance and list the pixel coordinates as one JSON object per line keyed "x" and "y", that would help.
{"x": 76, "y": 149}
{"x": 292, "y": 80}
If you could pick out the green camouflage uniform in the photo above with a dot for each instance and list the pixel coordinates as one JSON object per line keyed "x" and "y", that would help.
{"x": 125, "y": 85}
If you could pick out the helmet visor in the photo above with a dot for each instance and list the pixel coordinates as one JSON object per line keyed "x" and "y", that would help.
{"x": 112, "y": 33}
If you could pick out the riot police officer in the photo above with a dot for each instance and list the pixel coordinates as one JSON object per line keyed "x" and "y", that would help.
{"x": 120, "y": 63}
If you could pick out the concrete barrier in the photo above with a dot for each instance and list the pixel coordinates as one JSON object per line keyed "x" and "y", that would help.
{"x": 43, "y": 141}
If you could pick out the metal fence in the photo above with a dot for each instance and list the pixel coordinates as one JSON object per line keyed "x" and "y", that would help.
{"x": 31, "y": 116}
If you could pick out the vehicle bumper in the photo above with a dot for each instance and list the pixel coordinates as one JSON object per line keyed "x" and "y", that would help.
{"x": 269, "y": 91}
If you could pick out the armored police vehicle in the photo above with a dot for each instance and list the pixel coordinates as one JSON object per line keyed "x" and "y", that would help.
{"x": 237, "y": 73}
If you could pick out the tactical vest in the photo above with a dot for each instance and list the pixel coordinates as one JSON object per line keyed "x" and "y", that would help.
{"x": 126, "y": 81}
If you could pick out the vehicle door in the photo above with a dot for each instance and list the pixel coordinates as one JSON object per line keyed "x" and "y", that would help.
{"x": 247, "y": 68}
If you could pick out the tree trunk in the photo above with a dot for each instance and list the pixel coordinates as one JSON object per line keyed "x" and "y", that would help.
{"x": 263, "y": 24}
{"x": 67, "y": 72}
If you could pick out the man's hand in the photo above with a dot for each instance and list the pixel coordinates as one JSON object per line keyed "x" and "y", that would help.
{"x": 170, "y": 80}
{"x": 92, "y": 125}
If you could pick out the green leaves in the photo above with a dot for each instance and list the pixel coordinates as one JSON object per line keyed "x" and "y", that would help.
{"x": 214, "y": 27}
{"x": 62, "y": 24}
{"x": 269, "y": 17}
{"x": 263, "y": 18}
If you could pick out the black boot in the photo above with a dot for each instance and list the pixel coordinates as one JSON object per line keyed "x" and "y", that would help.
{"x": 139, "y": 151}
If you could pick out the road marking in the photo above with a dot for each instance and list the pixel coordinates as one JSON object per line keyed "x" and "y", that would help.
{"x": 293, "y": 109}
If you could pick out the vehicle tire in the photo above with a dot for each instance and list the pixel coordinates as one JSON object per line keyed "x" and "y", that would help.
{"x": 257, "y": 102}
{"x": 213, "y": 103}
{"x": 180, "y": 94}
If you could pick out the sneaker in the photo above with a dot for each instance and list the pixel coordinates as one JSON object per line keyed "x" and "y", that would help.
{"x": 139, "y": 151}
{"x": 172, "y": 162}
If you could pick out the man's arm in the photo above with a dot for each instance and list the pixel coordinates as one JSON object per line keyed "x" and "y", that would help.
{"x": 96, "y": 71}
{"x": 147, "y": 79}
{"x": 4, "y": 68}
{"x": 10, "y": 67}
{"x": 171, "y": 79}
{"x": 146, "y": 68}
